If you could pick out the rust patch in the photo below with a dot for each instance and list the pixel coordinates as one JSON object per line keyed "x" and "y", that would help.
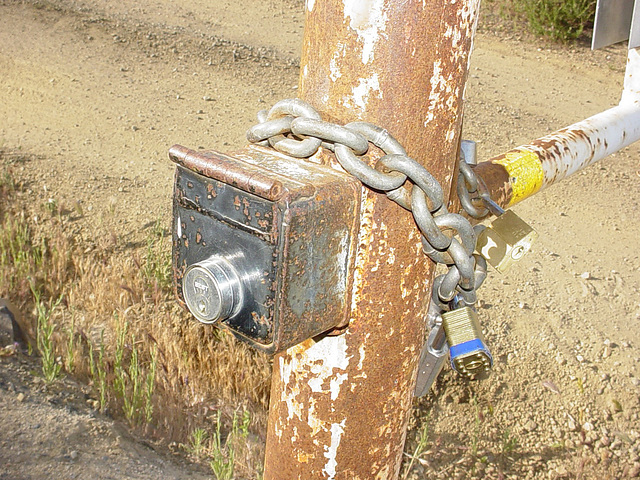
{"x": 496, "y": 178}
{"x": 226, "y": 170}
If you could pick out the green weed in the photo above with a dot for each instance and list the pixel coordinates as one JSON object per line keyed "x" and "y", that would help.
{"x": 562, "y": 20}
{"x": 157, "y": 264}
{"x": 7, "y": 184}
{"x": 421, "y": 447}
{"x": 70, "y": 359}
{"x": 240, "y": 427}
{"x": 131, "y": 384}
{"x": 18, "y": 253}
{"x": 197, "y": 445}
{"x": 223, "y": 454}
{"x": 150, "y": 382}
{"x": 222, "y": 459}
{"x": 509, "y": 442}
{"x": 475, "y": 438}
{"x": 51, "y": 206}
{"x": 44, "y": 333}
{"x": 133, "y": 401}
{"x": 98, "y": 372}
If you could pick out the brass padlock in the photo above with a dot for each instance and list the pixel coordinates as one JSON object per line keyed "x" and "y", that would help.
{"x": 467, "y": 347}
{"x": 505, "y": 241}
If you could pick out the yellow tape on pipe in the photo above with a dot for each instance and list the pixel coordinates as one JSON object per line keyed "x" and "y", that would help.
{"x": 525, "y": 173}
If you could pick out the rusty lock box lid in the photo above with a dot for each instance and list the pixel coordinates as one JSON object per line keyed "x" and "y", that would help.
{"x": 290, "y": 228}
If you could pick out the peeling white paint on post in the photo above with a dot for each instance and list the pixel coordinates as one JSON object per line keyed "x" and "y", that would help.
{"x": 324, "y": 357}
{"x": 438, "y": 84}
{"x": 368, "y": 19}
{"x": 361, "y": 94}
{"x": 310, "y": 5}
{"x": 337, "y": 429}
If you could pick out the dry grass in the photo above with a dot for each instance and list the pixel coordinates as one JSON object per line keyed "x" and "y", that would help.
{"x": 200, "y": 371}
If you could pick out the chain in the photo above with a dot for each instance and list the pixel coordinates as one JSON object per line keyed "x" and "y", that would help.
{"x": 468, "y": 190}
{"x": 295, "y": 128}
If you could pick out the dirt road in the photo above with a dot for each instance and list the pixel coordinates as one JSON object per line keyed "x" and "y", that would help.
{"x": 97, "y": 91}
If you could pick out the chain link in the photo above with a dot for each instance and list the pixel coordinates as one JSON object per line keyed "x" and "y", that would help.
{"x": 295, "y": 128}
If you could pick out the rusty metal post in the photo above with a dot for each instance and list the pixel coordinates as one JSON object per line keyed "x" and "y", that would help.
{"x": 340, "y": 406}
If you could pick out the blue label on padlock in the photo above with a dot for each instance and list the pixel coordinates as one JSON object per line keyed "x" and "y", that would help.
{"x": 472, "y": 346}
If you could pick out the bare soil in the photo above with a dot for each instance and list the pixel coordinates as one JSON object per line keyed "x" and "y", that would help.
{"x": 94, "y": 92}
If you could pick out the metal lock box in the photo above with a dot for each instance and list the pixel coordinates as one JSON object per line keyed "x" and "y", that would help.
{"x": 264, "y": 244}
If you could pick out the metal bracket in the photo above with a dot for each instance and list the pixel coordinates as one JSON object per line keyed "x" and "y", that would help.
{"x": 434, "y": 353}
{"x": 616, "y": 21}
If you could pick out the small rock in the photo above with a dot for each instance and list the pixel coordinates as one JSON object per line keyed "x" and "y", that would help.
{"x": 587, "y": 427}
{"x": 549, "y": 385}
{"x": 635, "y": 471}
{"x": 590, "y": 438}
{"x": 531, "y": 426}
{"x": 585, "y": 275}
{"x": 21, "y": 397}
{"x": 73, "y": 455}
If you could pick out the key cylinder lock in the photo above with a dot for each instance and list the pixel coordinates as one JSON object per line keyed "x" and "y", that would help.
{"x": 264, "y": 244}
{"x": 212, "y": 290}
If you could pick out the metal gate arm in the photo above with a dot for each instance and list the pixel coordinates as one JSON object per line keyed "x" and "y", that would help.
{"x": 525, "y": 170}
